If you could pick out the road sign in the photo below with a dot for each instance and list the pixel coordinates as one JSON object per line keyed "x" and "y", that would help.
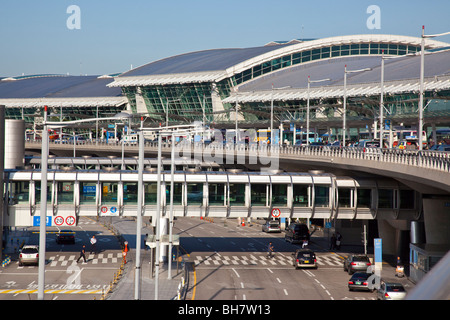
{"x": 113, "y": 209}
{"x": 70, "y": 220}
{"x": 59, "y": 220}
{"x": 37, "y": 221}
{"x": 276, "y": 212}
{"x": 104, "y": 209}
{"x": 378, "y": 256}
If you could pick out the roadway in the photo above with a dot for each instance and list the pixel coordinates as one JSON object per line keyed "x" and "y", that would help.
{"x": 231, "y": 264}
{"x": 65, "y": 279}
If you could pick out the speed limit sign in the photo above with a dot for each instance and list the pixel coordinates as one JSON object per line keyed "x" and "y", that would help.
{"x": 276, "y": 212}
{"x": 59, "y": 220}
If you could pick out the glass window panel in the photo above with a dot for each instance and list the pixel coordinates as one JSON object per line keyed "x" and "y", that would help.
{"x": 364, "y": 198}
{"x": 37, "y": 194}
{"x": 87, "y": 192}
{"x": 247, "y": 75}
{"x": 259, "y": 194}
{"x": 130, "y": 193}
{"x": 322, "y": 196}
{"x": 216, "y": 194}
{"x": 286, "y": 61}
{"x": 336, "y": 48}
{"x": 20, "y": 192}
{"x": 407, "y": 199}
{"x": 65, "y": 191}
{"x": 279, "y": 195}
{"x": 150, "y": 195}
{"x": 266, "y": 67}
{"x": 177, "y": 193}
{"x": 374, "y": 48}
{"x": 194, "y": 193}
{"x": 237, "y": 194}
{"x": 296, "y": 58}
{"x": 300, "y": 195}
{"x": 276, "y": 64}
{"x": 393, "y": 49}
{"x": 335, "y": 53}
{"x": 386, "y": 198}
{"x": 256, "y": 71}
{"x": 109, "y": 192}
{"x": 345, "y": 197}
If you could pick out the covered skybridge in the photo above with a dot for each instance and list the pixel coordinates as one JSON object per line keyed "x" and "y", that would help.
{"x": 75, "y": 193}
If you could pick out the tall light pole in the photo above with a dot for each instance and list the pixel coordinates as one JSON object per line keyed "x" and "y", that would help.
{"x": 137, "y": 291}
{"x": 271, "y": 111}
{"x": 422, "y": 73}
{"x": 307, "y": 106}
{"x": 344, "y": 124}
{"x": 43, "y": 214}
{"x": 382, "y": 101}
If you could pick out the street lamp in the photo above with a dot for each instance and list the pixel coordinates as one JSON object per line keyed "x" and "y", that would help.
{"x": 344, "y": 124}
{"x": 307, "y": 106}
{"x": 422, "y": 71}
{"x": 271, "y": 111}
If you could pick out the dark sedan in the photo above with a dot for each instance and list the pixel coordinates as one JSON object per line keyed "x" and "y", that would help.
{"x": 65, "y": 236}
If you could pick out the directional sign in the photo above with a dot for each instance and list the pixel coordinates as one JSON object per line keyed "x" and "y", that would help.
{"x": 276, "y": 212}
{"x": 113, "y": 209}
{"x": 37, "y": 221}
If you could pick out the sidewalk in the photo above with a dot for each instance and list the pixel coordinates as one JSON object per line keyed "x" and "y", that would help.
{"x": 125, "y": 289}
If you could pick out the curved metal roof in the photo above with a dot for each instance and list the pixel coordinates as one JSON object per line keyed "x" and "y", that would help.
{"x": 57, "y": 86}
{"x": 401, "y": 74}
{"x": 200, "y": 61}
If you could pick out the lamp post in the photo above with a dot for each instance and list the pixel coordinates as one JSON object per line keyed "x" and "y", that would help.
{"x": 271, "y": 111}
{"x": 344, "y": 124}
{"x": 137, "y": 291}
{"x": 422, "y": 72}
{"x": 307, "y": 106}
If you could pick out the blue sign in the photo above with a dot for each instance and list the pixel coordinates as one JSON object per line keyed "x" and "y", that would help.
{"x": 327, "y": 225}
{"x": 37, "y": 221}
{"x": 113, "y": 209}
{"x": 377, "y": 243}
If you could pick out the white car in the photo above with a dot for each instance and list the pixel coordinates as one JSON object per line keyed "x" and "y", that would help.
{"x": 391, "y": 291}
{"x": 29, "y": 254}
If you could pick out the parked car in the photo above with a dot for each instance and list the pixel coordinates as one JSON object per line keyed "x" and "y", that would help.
{"x": 297, "y": 232}
{"x": 443, "y": 147}
{"x": 67, "y": 236}
{"x": 304, "y": 258}
{"x": 29, "y": 254}
{"x": 355, "y": 263}
{"x": 359, "y": 281}
{"x": 271, "y": 226}
{"x": 391, "y": 291}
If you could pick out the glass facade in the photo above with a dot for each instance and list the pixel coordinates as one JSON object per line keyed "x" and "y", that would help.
{"x": 237, "y": 194}
{"x": 65, "y": 191}
{"x": 216, "y": 194}
{"x": 259, "y": 194}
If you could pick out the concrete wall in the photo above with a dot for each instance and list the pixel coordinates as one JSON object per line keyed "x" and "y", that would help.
{"x": 437, "y": 220}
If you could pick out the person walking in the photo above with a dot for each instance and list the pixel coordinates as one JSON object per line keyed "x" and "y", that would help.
{"x": 93, "y": 245}
{"x": 270, "y": 250}
{"x": 82, "y": 254}
{"x": 338, "y": 241}
{"x": 333, "y": 242}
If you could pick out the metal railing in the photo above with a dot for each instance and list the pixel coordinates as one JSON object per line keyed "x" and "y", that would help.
{"x": 428, "y": 159}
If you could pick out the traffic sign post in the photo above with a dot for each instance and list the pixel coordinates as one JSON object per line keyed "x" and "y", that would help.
{"x": 276, "y": 213}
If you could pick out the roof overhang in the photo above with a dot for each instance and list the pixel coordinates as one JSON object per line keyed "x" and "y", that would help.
{"x": 65, "y": 102}
{"x": 165, "y": 79}
{"x": 354, "y": 90}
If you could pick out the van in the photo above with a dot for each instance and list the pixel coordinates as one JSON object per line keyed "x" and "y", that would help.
{"x": 297, "y": 232}
{"x": 130, "y": 139}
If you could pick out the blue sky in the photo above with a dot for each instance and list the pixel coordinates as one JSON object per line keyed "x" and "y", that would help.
{"x": 117, "y": 34}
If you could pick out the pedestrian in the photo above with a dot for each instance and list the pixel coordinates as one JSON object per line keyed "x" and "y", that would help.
{"x": 338, "y": 241}
{"x": 82, "y": 254}
{"x": 333, "y": 242}
{"x": 145, "y": 242}
{"x": 304, "y": 244}
{"x": 270, "y": 250}
{"x": 93, "y": 245}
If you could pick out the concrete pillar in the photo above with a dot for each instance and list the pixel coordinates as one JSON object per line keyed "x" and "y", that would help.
{"x": 437, "y": 220}
{"x": 2, "y": 165}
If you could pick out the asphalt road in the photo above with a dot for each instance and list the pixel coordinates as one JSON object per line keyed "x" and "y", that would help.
{"x": 65, "y": 279}
{"x": 231, "y": 264}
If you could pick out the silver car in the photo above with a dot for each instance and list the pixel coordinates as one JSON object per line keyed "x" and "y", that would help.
{"x": 271, "y": 226}
{"x": 391, "y": 291}
{"x": 29, "y": 255}
{"x": 356, "y": 263}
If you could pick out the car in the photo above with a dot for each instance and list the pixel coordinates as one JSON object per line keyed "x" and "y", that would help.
{"x": 29, "y": 254}
{"x": 65, "y": 236}
{"x": 360, "y": 281}
{"x": 297, "y": 232}
{"x": 443, "y": 147}
{"x": 271, "y": 226}
{"x": 391, "y": 291}
{"x": 304, "y": 258}
{"x": 355, "y": 263}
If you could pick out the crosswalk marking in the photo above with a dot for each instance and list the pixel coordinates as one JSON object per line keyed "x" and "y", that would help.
{"x": 64, "y": 260}
{"x": 255, "y": 259}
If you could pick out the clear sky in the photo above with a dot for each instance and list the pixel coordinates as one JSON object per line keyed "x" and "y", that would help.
{"x": 115, "y": 35}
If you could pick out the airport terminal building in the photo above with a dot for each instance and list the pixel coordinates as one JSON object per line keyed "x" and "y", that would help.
{"x": 220, "y": 86}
